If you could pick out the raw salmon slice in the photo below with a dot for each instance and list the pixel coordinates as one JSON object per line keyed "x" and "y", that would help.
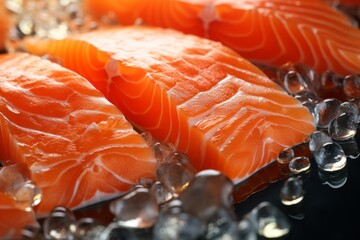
{"x": 193, "y": 92}
{"x": 4, "y": 25}
{"x": 271, "y": 32}
{"x": 79, "y": 147}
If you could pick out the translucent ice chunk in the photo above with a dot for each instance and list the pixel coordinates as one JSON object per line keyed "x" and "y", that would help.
{"x": 177, "y": 225}
{"x": 292, "y": 191}
{"x": 294, "y": 83}
{"x": 330, "y": 157}
{"x": 349, "y": 107}
{"x": 222, "y": 225}
{"x": 27, "y": 196}
{"x": 161, "y": 193}
{"x": 350, "y": 148}
{"x": 306, "y": 96}
{"x": 163, "y": 150}
{"x": 343, "y": 126}
{"x": 247, "y": 231}
{"x": 59, "y": 224}
{"x": 351, "y": 86}
{"x": 13, "y": 177}
{"x": 317, "y": 140}
{"x": 136, "y": 209}
{"x": 114, "y": 231}
{"x": 87, "y": 228}
{"x": 175, "y": 173}
{"x": 299, "y": 164}
{"x": 209, "y": 191}
{"x": 325, "y": 111}
{"x": 269, "y": 221}
{"x": 15, "y": 181}
{"x": 329, "y": 80}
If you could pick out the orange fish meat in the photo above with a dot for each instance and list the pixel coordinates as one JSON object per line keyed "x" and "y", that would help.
{"x": 271, "y": 32}
{"x": 79, "y": 147}
{"x": 4, "y": 25}
{"x": 193, "y": 92}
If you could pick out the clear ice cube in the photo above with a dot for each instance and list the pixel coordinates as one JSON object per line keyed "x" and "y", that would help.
{"x": 325, "y": 111}
{"x": 60, "y": 224}
{"x": 292, "y": 191}
{"x": 222, "y": 225}
{"x": 136, "y": 209}
{"x": 343, "y": 126}
{"x": 175, "y": 173}
{"x": 87, "y": 228}
{"x": 209, "y": 191}
{"x": 269, "y": 221}
{"x": 317, "y": 140}
{"x": 330, "y": 157}
{"x": 178, "y": 225}
{"x": 351, "y": 86}
{"x": 294, "y": 82}
{"x": 161, "y": 193}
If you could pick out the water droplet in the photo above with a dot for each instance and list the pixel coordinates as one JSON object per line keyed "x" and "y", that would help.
{"x": 325, "y": 111}
{"x": 343, "y": 127}
{"x": 317, "y": 140}
{"x": 292, "y": 191}
{"x": 59, "y": 224}
{"x": 136, "y": 209}
{"x": 299, "y": 164}
{"x": 351, "y": 86}
{"x": 285, "y": 156}
{"x": 330, "y": 157}
{"x": 269, "y": 221}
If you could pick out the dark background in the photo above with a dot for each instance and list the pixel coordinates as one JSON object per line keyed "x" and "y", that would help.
{"x": 329, "y": 213}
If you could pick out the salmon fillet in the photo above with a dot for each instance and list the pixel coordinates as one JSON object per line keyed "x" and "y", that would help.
{"x": 193, "y": 92}
{"x": 271, "y": 32}
{"x": 4, "y": 25}
{"x": 79, "y": 147}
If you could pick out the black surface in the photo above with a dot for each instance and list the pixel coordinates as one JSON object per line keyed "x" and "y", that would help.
{"x": 329, "y": 213}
